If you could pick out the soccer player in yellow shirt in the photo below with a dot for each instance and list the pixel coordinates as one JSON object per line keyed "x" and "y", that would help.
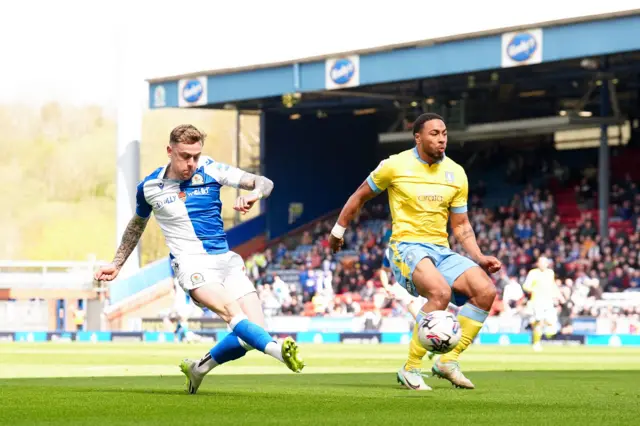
{"x": 543, "y": 294}
{"x": 426, "y": 189}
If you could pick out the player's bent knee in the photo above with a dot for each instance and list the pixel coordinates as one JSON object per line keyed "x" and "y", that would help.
{"x": 485, "y": 293}
{"x": 441, "y": 295}
{"x": 216, "y": 298}
{"x": 252, "y": 308}
{"x": 431, "y": 284}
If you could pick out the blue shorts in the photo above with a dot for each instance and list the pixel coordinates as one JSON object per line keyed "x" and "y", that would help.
{"x": 404, "y": 257}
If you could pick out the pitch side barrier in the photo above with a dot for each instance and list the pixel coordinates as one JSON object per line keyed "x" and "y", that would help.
{"x": 372, "y": 337}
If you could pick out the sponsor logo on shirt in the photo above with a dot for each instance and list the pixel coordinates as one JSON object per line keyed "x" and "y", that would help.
{"x": 199, "y": 191}
{"x": 160, "y": 204}
{"x": 432, "y": 198}
{"x": 182, "y": 196}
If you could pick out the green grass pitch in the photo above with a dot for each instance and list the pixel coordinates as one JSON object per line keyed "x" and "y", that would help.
{"x": 140, "y": 384}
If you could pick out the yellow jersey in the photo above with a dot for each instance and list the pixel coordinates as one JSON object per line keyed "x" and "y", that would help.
{"x": 542, "y": 286}
{"x": 421, "y": 195}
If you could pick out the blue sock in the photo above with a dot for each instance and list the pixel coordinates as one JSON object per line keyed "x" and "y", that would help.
{"x": 252, "y": 333}
{"x": 179, "y": 332}
{"x": 227, "y": 349}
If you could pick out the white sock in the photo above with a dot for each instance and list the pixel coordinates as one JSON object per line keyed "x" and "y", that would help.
{"x": 206, "y": 364}
{"x": 235, "y": 320}
{"x": 275, "y": 350}
{"x": 245, "y": 345}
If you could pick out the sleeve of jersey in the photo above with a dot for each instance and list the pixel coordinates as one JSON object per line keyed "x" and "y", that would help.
{"x": 381, "y": 177}
{"x": 143, "y": 209}
{"x": 225, "y": 174}
{"x": 528, "y": 283}
{"x": 459, "y": 202}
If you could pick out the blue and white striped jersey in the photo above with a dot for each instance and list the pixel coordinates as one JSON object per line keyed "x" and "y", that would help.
{"x": 189, "y": 212}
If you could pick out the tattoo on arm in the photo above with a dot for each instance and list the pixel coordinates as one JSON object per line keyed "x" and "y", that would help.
{"x": 467, "y": 238}
{"x": 130, "y": 239}
{"x": 249, "y": 181}
{"x": 464, "y": 233}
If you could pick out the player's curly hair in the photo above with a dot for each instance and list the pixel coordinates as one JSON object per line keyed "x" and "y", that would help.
{"x": 423, "y": 118}
{"x": 186, "y": 133}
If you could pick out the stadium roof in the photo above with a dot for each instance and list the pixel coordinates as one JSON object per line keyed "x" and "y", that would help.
{"x": 522, "y": 72}
{"x": 405, "y": 45}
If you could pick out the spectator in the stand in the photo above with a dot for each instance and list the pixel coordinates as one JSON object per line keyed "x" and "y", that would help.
{"x": 303, "y": 275}
{"x": 372, "y": 320}
{"x": 588, "y": 230}
{"x": 523, "y": 228}
{"x": 320, "y": 303}
{"x": 502, "y": 281}
{"x": 314, "y": 259}
{"x": 585, "y": 193}
{"x": 616, "y": 282}
{"x": 280, "y": 288}
{"x": 625, "y": 212}
{"x": 476, "y": 201}
{"x": 346, "y": 306}
{"x": 512, "y": 296}
{"x": 306, "y": 239}
{"x": 292, "y": 307}
{"x": 368, "y": 291}
{"x": 280, "y": 252}
{"x": 634, "y": 282}
{"x": 329, "y": 264}
{"x": 309, "y": 286}
{"x": 270, "y": 303}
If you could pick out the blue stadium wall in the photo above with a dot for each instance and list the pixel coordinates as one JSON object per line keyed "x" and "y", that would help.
{"x": 316, "y": 162}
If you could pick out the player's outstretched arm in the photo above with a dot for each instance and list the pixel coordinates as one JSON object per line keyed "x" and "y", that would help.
{"x": 259, "y": 186}
{"x": 463, "y": 231}
{"x": 363, "y": 194}
{"x": 129, "y": 241}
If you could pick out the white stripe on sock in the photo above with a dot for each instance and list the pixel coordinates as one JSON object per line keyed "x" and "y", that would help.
{"x": 275, "y": 350}
{"x": 245, "y": 344}
{"x": 235, "y": 320}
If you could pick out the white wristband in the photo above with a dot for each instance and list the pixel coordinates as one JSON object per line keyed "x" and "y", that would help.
{"x": 338, "y": 231}
{"x": 257, "y": 193}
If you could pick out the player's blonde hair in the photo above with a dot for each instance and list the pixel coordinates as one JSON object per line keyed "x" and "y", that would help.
{"x": 186, "y": 133}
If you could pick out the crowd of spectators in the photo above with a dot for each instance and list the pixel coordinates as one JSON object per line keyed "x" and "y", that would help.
{"x": 518, "y": 234}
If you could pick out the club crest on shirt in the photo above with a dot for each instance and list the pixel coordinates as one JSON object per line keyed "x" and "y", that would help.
{"x": 161, "y": 185}
{"x": 448, "y": 177}
{"x": 182, "y": 195}
{"x": 197, "y": 179}
{"x": 197, "y": 278}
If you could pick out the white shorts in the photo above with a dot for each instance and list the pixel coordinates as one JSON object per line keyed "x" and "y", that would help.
{"x": 545, "y": 313}
{"x": 227, "y": 269}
